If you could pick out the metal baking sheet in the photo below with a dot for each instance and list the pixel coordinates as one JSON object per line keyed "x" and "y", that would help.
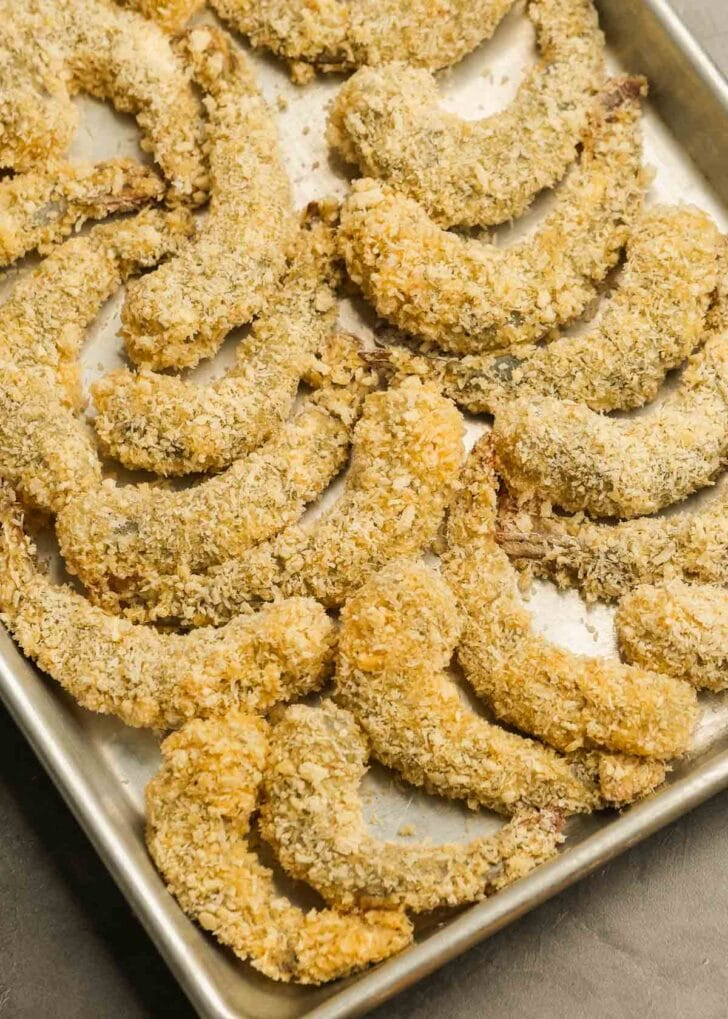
{"x": 101, "y": 767}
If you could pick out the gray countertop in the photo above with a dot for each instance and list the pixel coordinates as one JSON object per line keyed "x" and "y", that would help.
{"x": 645, "y": 937}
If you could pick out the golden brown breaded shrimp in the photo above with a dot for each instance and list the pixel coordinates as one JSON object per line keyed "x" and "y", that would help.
{"x": 198, "y": 818}
{"x": 397, "y": 636}
{"x": 172, "y": 15}
{"x": 476, "y": 172}
{"x": 171, "y": 425}
{"x": 312, "y": 817}
{"x": 334, "y": 35}
{"x": 407, "y": 453}
{"x": 40, "y": 208}
{"x": 680, "y": 629}
{"x": 113, "y": 54}
{"x": 118, "y": 538}
{"x": 182, "y": 312}
{"x": 148, "y": 678}
{"x": 45, "y": 450}
{"x": 569, "y": 701}
{"x": 467, "y": 296}
{"x": 582, "y": 460}
{"x": 654, "y": 319}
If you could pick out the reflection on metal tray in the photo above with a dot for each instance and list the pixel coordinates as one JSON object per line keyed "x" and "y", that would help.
{"x": 101, "y": 767}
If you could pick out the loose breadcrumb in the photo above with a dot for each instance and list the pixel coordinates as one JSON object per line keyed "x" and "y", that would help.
{"x": 198, "y": 819}
{"x": 469, "y": 172}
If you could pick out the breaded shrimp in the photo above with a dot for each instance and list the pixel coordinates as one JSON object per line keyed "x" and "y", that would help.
{"x": 119, "y": 538}
{"x": 466, "y": 296}
{"x": 40, "y": 208}
{"x": 387, "y": 121}
{"x": 172, "y": 15}
{"x": 148, "y": 678}
{"x": 45, "y": 450}
{"x": 198, "y": 819}
{"x": 581, "y": 460}
{"x": 569, "y": 701}
{"x": 397, "y": 636}
{"x": 407, "y": 453}
{"x": 680, "y": 629}
{"x": 606, "y": 561}
{"x": 171, "y": 425}
{"x": 312, "y": 817}
{"x": 181, "y": 313}
{"x": 334, "y": 35}
{"x": 111, "y": 53}
{"x": 653, "y": 320}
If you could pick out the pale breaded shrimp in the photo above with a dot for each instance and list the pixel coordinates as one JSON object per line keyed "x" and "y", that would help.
{"x": 153, "y": 679}
{"x": 45, "y": 450}
{"x": 398, "y": 633}
{"x": 680, "y": 629}
{"x": 466, "y": 296}
{"x": 387, "y": 121}
{"x": 570, "y": 701}
{"x": 172, "y": 15}
{"x": 606, "y": 561}
{"x": 171, "y": 425}
{"x": 119, "y": 538}
{"x": 334, "y": 35}
{"x": 40, "y": 208}
{"x": 113, "y": 54}
{"x": 312, "y": 817}
{"x": 581, "y": 460}
{"x": 199, "y": 807}
{"x": 407, "y": 453}
{"x": 653, "y": 320}
{"x": 182, "y": 312}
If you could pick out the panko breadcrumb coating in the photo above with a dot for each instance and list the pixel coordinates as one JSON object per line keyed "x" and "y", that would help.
{"x": 388, "y": 122}
{"x": 652, "y": 321}
{"x": 312, "y": 817}
{"x": 181, "y": 313}
{"x": 113, "y": 54}
{"x": 570, "y": 701}
{"x": 680, "y": 629}
{"x": 334, "y": 35}
{"x": 172, "y": 15}
{"x": 398, "y": 633}
{"x": 581, "y": 460}
{"x": 172, "y": 425}
{"x": 407, "y": 453}
{"x": 148, "y": 678}
{"x": 39, "y": 208}
{"x": 198, "y": 818}
{"x": 45, "y": 450}
{"x": 467, "y": 296}
{"x": 117, "y": 539}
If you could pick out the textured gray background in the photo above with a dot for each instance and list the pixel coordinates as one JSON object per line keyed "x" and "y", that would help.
{"x": 643, "y": 938}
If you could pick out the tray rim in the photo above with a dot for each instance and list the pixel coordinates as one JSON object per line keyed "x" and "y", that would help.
{"x": 35, "y": 710}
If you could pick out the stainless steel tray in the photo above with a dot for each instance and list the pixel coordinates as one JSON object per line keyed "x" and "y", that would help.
{"x": 101, "y": 767}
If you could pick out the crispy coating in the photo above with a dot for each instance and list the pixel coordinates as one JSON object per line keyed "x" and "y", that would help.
{"x": 40, "y": 208}
{"x": 118, "y": 538}
{"x": 582, "y": 460}
{"x": 569, "y": 701}
{"x": 407, "y": 453}
{"x": 397, "y": 636}
{"x": 171, "y": 425}
{"x": 45, "y": 450}
{"x": 312, "y": 817}
{"x": 111, "y": 53}
{"x": 652, "y": 321}
{"x": 182, "y": 312}
{"x": 172, "y": 15}
{"x": 388, "y": 122}
{"x": 334, "y": 35}
{"x": 467, "y": 296}
{"x": 198, "y": 821}
{"x": 156, "y": 679}
{"x": 680, "y": 629}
